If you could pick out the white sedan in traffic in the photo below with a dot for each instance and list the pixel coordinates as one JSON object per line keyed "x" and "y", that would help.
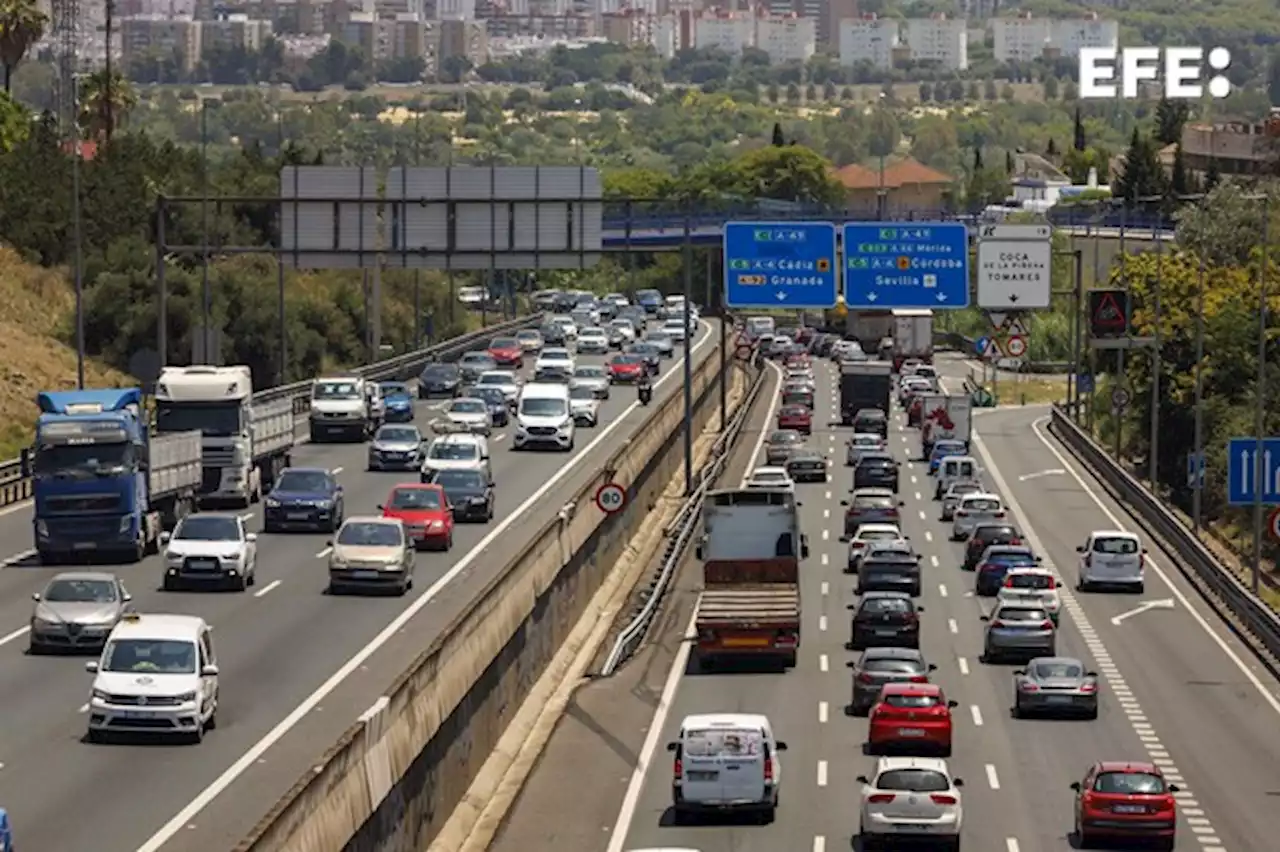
{"x": 771, "y": 477}
{"x": 911, "y": 798}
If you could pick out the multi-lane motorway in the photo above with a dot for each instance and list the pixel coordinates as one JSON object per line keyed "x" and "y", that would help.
{"x": 1177, "y": 689}
{"x": 297, "y": 666}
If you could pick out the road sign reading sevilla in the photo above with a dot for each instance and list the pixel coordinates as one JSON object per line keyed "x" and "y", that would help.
{"x": 780, "y": 265}
{"x": 906, "y": 265}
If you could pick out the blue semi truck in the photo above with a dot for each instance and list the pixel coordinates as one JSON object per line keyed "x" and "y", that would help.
{"x": 104, "y": 485}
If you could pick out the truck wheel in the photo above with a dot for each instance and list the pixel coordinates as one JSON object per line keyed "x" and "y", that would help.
{"x": 789, "y": 661}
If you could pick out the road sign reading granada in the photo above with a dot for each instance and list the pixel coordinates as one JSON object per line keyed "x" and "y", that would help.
{"x": 1182, "y": 70}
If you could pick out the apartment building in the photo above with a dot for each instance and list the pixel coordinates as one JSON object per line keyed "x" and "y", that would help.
{"x": 938, "y": 40}
{"x": 825, "y": 14}
{"x": 868, "y": 39}
{"x": 727, "y": 32}
{"x": 787, "y": 39}
{"x": 150, "y": 36}
{"x": 1026, "y": 38}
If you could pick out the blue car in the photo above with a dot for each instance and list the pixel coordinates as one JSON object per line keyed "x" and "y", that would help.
{"x": 398, "y": 400}
{"x": 941, "y": 450}
{"x": 6, "y": 832}
{"x": 304, "y": 498}
{"x": 499, "y": 409}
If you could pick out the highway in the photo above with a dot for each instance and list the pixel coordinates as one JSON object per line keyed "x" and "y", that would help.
{"x": 297, "y": 666}
{"x": 1176, "y": 688}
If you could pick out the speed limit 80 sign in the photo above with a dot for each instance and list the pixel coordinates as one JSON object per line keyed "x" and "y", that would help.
{"x": 611, "y": 497}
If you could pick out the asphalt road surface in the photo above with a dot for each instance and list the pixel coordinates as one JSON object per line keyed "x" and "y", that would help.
{"x": 298, "y": 666}
{"x": 1177, "y": 689}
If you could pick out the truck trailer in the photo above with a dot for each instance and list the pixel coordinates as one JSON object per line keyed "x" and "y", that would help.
{"x": 751, "y": 549}
{"x": 912, "y": 336}
{"x": 246, "y": 444}
{"x": 945, "y": 416}
{"x": 103, "y": 483}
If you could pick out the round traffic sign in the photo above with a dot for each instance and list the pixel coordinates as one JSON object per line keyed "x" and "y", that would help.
{"x": 1016, "y": 347}
{"x": 1273, "y": 523}
{"x": 743, "y": 352}
{"x": 611, "y": 497}
{"x": 1119, "y": 398}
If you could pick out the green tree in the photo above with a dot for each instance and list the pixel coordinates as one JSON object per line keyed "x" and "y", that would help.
{"x": 1142, "y": 175}
{"x": 772, "y": 93}
{"x": 926, "y": 92}
{"x": 1050, "y": 87}
{"x": 22, "y": 24}
{"x": 829, "y": 90}
{"x": 106, "y": 98}
{"x": 793, "y": 93}
{"x": 883, "y": 132}
{"x": 989, "y": 92}
{"x": 1179, "y": 183}
{"x": 1079, "y": 141}
{"x": 810, "y": 93}
{"x": 1171, "y": 116}
{"x": 1006, "y": 93}
{"x": 973, "y": 93}
{"x": 846, "y": 94}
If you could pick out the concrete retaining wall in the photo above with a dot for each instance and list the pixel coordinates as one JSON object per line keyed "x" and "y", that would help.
{"x": 393, "y": 779}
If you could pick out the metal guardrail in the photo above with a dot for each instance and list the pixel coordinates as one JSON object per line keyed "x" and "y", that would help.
{"x": 681, "y": 531}
{"x": 16, "y": 487}
{"x": 1252, "y": 613}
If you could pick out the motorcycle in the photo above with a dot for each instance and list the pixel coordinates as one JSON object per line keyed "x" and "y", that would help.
{"x": 646, "y": 394}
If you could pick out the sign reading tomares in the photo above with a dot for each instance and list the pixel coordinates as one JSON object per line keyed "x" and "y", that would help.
{"x": 1181, "y": 69}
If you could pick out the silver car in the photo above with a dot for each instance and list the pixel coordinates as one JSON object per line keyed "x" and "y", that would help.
{"x": 859, "y": 444}
{"x": 584, "y": 405}
{"x": 1019, "y": 631}
{"x": 878, "y": 666}
{"x": 958, "y": 491}
{"x": 780, "y": 445}
{"x": 470, "y": 414}
{"x": 593, "y": 377}
{"x": 973, "y": 511}
{"x": 76, "y": 612}
{"x": 662, "y": 341}
{"x": 1055, "y": 685}
{"x": 396, "y": 448}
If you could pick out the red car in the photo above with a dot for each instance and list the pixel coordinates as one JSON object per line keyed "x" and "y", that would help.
{"x": 1120, "y": 800}
{"x": 506, "y": 352}
{"x": 797, "y": 417}
{"x": 626, "y": 368}
{"x": 426, "y": 513}
{"x": 912, "y": 716}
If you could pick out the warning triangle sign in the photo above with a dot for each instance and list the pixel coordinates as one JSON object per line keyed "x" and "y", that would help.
{"x": 1107, "y": 313}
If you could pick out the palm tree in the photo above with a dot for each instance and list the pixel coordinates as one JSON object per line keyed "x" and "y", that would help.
{"x": 21, "y": 25}
{"x": 104, "y": 98}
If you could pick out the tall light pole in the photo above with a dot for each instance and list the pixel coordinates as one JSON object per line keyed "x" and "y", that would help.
{"x": 206, "y": 296}
{"x": 77, "y": 239}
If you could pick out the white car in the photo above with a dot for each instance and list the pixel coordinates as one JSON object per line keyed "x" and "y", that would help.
{"x": 860, "y": 444}
{"x": 803, "y": 377}
{"x": 676, "y": 329}
{"x": 953, "y": 495}
{"x": 555, "y": 359}
{"x": 726, "y": 761}
{"x": 584, "y": 405}
{"x": 567, "y": 325}
{"x": 504, "y": 380}
{"x": 1032, "y": 586}
{"x": 593, "y": 340}
{"x": 1112, "y": 558}
{"x": 457, "y": 452}
{"x": 869, "y": 535}
{"x": 975, "y": 509}
{"x": 210, "y": 549}
{"x": 624, "y": 329}
{"x": 530, "y": 339}
{"x": 911, "y": 798}
{"x": 771, "y": 477}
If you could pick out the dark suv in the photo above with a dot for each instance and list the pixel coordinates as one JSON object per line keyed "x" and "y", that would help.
{"x": 985, "y": 535}
{"x": 876, "y": 470}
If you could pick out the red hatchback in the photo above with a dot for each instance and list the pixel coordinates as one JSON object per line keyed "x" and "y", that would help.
{"x": 797, "y": 417}
{"x": 626, "y": 368}
{"x": 506, "y": 352}
{"x": 915, "y": 716}
{"x": 426, "y": 513}
{"x": 1119, "y": 800}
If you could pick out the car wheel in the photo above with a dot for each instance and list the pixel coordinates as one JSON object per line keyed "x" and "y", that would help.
{"x": 96, "y": 736}
{"x": 241, "y": 583}
{"x": 170, "y": 584}
{"x": 1092, "y": 713}
{"x": 1139, "y": 588}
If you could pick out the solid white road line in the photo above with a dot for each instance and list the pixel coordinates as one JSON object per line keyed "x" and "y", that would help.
{"x": 251, "y": 757}
{"x": 266, "y": 590}
{"x": 17, "y": 634}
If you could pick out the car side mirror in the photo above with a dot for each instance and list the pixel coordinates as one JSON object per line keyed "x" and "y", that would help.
{"x": 1174, "y": 788}
{"x": 844, "y": 502}
{"x": 126, "y": 597}
{"x": 864, "y": 779}
{"x": 845, "y": 539}
{"x": 250, "y": 537}
{"x": 780, "y": 746}
{"x": 851, "y": 607}
{"x": 35, "y": 596}
{"x": 1144, "y": 551}
{"x": 957, "y": 782}
{"x": 1080, "y": 549}
{"x": 851, "y": 664}
{"x": 933, "y": 667}
{"x": 919, "y": 608}
{"x": 672, "y": 746}
{"x": 209, "y": 671}
{"x": 381, "y": 508}
{"x": 91, "y": 667}
{"x": 953, "y": 703}
{"x": 164, "y": 537}
{"x": 1075, "y": 785}
{"x": 984, "y": 618}
{"x": 329, "y": 543}
{"x": 1020, "y": 672}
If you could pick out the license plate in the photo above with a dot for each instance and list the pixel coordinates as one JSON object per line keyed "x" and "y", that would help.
{"x": 746, "y": 643}
{"x": 885, "y": 632}
{"x": 1058, "y": 699}
{"x": 365, "y": 575}
{"x": 911, "y": 732}
{"x": 297, "y": 516}
{"x": 1130, "y": 809}
{"x": 84, "y": 545}
{"x": 912, "y": 827}
{"x": 204, "y": 566}
{"x": 702, "y": 775}
{"x": 137, "y": 714}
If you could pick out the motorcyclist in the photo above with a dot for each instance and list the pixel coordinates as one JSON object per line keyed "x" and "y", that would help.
{"x": 644, "y": 387}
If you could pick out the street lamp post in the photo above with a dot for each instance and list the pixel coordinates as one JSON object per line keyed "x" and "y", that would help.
{"x": 206, "y": 295}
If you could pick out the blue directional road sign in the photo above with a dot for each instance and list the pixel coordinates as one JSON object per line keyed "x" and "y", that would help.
{"x": 1240, "y": 471}
{"x": 906, "y": 265}
{"x": 1084, "y": 382}
{"x": 1195, "y": 470}
{"x": 980, "y": 346}
{"x": 780, "y": 265}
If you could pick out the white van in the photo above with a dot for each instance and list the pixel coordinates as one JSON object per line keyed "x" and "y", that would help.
{"x": 759, "y": 326}
{"x": 544, "y": 417}
{"x": 953, "y": 469}
{"x": 726, "y": 761}
{"x": 1112, "y": 558}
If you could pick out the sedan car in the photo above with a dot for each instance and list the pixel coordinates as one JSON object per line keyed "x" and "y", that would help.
{"x": 884, "y": 619}
{"x": 952, "y": 496}
{"x": 861, "y": 444}
{"x": 995, "y": 564}
{"x": 910, "y": 716}
{"x": 889, "y": 572}
{"x": 620, "y": 332}
{"x": 474, "y": 364}
{"x": 1032, "y": 585}
{"x": 1019, "y": 631}
{"x": 584, "y": 406}
{"x": 807, "y": 465}
{"x": 648, "y": 353}
{"x": 662, "y": 341}
{"x": 592, "y": 377}
{"x": 372, "y": 553}
{"x": 771, "y": 477}
{"x": 910, "y": 799}
{"x": 1051, "y": 686}
{"x": 506, "y": 352}
{"x": 530, "y": 340}
{"x": 305, "y": 498}
{"x": 626, "y": 369}
{"x": 504, "y": 380}
{"x": 973, "y": 511}
{"x": 797, "y": 417}
{"x": 557, "y": 360}
{"x": 469, "y": 492}
{"x": 1123, "y": 801}
{"x": 553, "y": 334}
{"x": 496, "y": 401}
{"x": 799, "y": 395}
{"x": 76, "y": 612}
{"x": 871, "y": 421}
{"x": 400, "y": 447}
{"x": 397, "y": 402}
{"x": 593, "y": 340}
{"x": 439, "y": 380}
{"x": 870, "y": 506}
{"x": 780, "y": 444}
{"x": 879, "y": 666}
{"x": 869, "y": 535}
{"x": 210, "y": 550}
{"x": 424, "y": 510}
{"x": 876, "y": 470}
{"x": 985, "y": 536}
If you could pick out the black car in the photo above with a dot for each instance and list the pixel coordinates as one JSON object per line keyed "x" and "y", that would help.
{"x": 878, "y": 666}
{"x": 553, "y": 334}
{"x": 876, "y": 470}
{"x": 871, "y": 421}
{"x": 651, "y": 354}
{"x": 885, "y": 619}
{"x": 469, "y": 493}
{"x": 888, "y": 575}
{"x": 496, "y": 401}
{"x": 439, "y": 380}
{"x": 304, "y": 498}
{"x": 805, "y": 465}
{"x": 985, "y": 535}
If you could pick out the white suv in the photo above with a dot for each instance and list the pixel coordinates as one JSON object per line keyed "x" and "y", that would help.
{"x": 544, "y": 418}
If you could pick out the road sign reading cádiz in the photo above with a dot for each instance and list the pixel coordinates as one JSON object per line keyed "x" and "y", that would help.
{"x": 611, "y": 497}
{"x": 1241, "y": 458}
{"x": 906, "y": 265}
{"x": 780, "y": 265}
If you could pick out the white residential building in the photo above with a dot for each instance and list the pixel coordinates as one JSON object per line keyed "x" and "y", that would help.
{"x": 941, "y": 40}
{"x": 787, "y": 39}
{"x": 1070, "y": 35}
{"x": 728, "y": 33}
{"x": 665, "y": 36}
{"x": 868, "y": 39}
{"x": 1025, "y": 38}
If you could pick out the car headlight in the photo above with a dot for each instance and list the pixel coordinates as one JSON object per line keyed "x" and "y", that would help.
{"x": 337, "y": 562}
{"x": 126, "y": 524}
{"x": 43, "y": 622}
{"x": 100, "y": 695}
{"x": 187, "y": 697}
{"x": 323, "y": 504}
{"x": 433, "y": 526}
{"x": 272, "y": 503}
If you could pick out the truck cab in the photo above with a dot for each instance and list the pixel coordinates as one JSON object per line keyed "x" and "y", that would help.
{"x": 344, "y": 408}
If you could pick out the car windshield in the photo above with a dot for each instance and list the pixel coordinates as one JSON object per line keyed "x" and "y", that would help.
{"x": 458, "y": 479}
{"x": 878, "y": 605}
{"x": 878, "y": 535}
{"x": 913, "y": 781}
{"x": 873, "y": 502}
{"x": 980, "y": 504}
{"x": 208, "y": 528}
{"x": 1037, "y": 582}
{"x": 303, "y": 481}
{"x": 415, "y": 498}
{"x": 493, "y": 396}
{"x": 398, "y": 435}
{"x": 870, "y": 414}
{"x": 154, "y": 656}
{"x": 555, "y": 355}
{"x": 394, "y": 389}
{"x": 531, "y": 336}
{"x": 589, "y": 373}
{"x": 468, "y": 406}
{"x": 992, "y": 533}
{"x": 913, "y": 702}
{"x": 495, "y": 379}
{"x": 796, "y": 399}
{"x": 795, "y": 411}
{"x": 592, "y": 332}
{"x": 440, "y": 371}
{"x": 335, "y": 390}
{"x": 1020, "y": 614}
{"x": 582, "y": 393}
{"x": 961, "y": 488}
{"x": 365, "y": 534}
{"x": 453, "y": 452}
{"x": 80, "y": 591}
{"x": 476, "y": 359}
{"x": 542, "y": 407}
{"x": 1011, "y": 557}
{"x": 892, "y": 665}
{"x": 769, "y": 476}
{"x": 1129, "y": 783}
{"x": 723, "y": 742}
{"x": 1115, "y": 546}
{"x": 504, "y": 343}
{"x": 1047, "y": 671}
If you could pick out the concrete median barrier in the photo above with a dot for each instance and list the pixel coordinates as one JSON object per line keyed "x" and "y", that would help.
{"x": 395, "y": 776}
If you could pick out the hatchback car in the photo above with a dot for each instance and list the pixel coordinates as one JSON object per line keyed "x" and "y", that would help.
{"x": 507, "y": 352}
{"x": 591, "y": 376}
{"x": 1112, "y": 558}
{"x": 469, "y": 493}
{"x": 661, "y": 341}
{"x": 593, "y": 341}
{"x": 1120, "y": 801}
{"x": 372, "y": 553}
{"x": 995, "y": 564}
{"x": 424, "y": 510}
{"x": 1019, "y": 631}
{"x": 910, "y": 798}
{"x": 870, "y": 506}
{"x": 530, "y": 340}
{"x": 584, "y": 406}
{"x": 473, "y": 364}
{"x": 910, "y": 716}
{"x": 973, "y": 511}
{"x": 807, "y": 465}
{"x": 868, "y": 536}
{"x": 861, "y": 444}
{"x": 464, "y": 414}
{"x": 76, "y": 612}
{"x": 780, "y": 444}
{"x": 625, "y": 369}
{"x": 942, "y": 449}
{"x": 876, "y": 470}
{"x": 439, "y": 380}
{"x": 1052, "y": 686}
{"x": 889, "y": 571}
{"x": 797, "y": 417}
{"x": 883, "y": 619}
{"x": 879, "y": 666}
{"x": 951, "y": 498}
{"x": 649, "y": 354}
{"x": 397, "y": 447}
{"x": 985, "y": 536}
{"x": 496, "y": 401}
{"x": 1032, "y": 585}
{"x": 871, "y": 421}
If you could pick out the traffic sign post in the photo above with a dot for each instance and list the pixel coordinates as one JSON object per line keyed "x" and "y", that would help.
{"x": 897, "y": 265}
{"x": 1015, "y": 266}
{"x": 780, "y": 265}
{"x": 980, "y": 346}
{"x": 1119, "y": 398}
{"x": 1241, "y": 457}
{"x": 611, "y": 498}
